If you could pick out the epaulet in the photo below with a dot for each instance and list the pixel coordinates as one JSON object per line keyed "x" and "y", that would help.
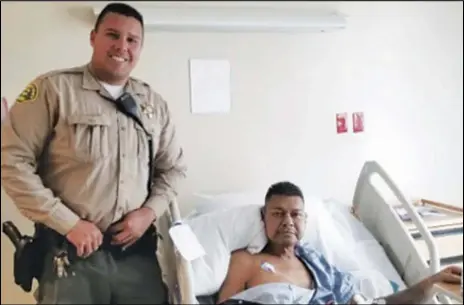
{"x": 140, "y": 82}
{"x": 142, "y": 86}
{"x": 74, "y": 70}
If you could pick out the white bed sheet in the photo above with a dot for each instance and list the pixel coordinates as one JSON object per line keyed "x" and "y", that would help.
{"x": 347, "y": 244}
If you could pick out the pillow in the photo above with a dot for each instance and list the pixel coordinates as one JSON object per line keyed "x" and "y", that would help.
{"x": 220, "y": 233}
{"x": 206, "y": 203}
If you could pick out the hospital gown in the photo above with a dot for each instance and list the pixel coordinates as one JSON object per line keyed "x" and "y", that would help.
{"x": 332, "y": 286}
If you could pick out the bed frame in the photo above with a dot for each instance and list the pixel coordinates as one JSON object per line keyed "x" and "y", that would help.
{"x": 377, "y": 214}
{"x": 180, "y": 282}
{"x": 417, "y": 246}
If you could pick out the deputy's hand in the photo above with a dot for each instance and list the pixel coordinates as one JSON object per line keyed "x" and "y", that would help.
{"x": 86, "y": 237}
{"x": 127, "y": 231}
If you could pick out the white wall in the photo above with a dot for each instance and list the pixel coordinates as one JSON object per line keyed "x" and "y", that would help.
{"x": 400, "y": 63}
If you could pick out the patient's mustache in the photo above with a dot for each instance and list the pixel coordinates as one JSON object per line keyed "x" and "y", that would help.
{"x": 287, "y": 231}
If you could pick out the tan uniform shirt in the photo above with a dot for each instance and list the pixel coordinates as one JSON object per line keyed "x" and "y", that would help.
{"x": 69, "y": 154}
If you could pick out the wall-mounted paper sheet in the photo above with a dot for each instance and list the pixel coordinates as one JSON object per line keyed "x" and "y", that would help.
{"x": 210, "y": 86}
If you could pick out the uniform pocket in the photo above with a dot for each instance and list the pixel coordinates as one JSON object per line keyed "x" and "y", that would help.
{"x": 90, "y": 136}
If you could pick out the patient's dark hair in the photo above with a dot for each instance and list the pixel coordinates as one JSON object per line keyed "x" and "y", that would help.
{"x": 119, "y": 8}
{"x": 283, "y": 188}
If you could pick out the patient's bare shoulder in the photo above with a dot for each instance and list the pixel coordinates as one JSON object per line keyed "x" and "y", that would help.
{"x": 241, "y": 268}
{"x": 241, "y": 260}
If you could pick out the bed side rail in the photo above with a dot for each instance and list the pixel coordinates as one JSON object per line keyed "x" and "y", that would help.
{"x": 184, "y": 271}
{"x": 372, "y": 167}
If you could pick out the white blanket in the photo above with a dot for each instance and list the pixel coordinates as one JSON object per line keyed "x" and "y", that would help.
{"x": 276, "y": 293}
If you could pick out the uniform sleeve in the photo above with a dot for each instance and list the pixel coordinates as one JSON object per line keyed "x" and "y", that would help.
{"x": 25, "y": 134}
{"x": 169, "y": 168}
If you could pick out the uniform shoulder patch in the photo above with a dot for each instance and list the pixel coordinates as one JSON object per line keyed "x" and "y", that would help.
{"x": 29, "y": 94}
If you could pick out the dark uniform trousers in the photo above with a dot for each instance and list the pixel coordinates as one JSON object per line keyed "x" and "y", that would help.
{"x": 107, "y": 276}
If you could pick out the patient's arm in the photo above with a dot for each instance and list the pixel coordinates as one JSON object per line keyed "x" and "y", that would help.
{"x": 238, "y": 274}
{"x": 422, "y": 291}
{"x": 414, "y": 295}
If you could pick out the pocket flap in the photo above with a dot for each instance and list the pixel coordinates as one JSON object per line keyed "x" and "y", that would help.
{"x": 87, "y": 119}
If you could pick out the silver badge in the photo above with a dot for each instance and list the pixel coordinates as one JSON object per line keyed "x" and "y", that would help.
{"x": 148, "y": 110}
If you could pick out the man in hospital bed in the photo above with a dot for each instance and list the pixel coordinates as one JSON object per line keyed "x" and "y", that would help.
{"x": 287, "y": 272}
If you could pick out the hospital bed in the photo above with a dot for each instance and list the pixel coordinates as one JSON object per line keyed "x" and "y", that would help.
{"x": 385, "y": 241}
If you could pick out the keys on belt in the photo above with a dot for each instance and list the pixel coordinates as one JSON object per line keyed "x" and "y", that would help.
{"x": 61, "y": 264}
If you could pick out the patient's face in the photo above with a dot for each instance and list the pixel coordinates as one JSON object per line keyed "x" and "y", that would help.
{"x": 284, "y": 219}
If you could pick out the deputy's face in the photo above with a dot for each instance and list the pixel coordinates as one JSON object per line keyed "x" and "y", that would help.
{"x": 117, "y": 44}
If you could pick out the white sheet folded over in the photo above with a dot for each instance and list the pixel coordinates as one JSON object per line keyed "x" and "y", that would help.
{"x": 276, "y": 293}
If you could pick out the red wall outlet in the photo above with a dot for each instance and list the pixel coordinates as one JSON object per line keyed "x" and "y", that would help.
{"x": 342, "y": 125}
{"x": 358, "y": 122}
